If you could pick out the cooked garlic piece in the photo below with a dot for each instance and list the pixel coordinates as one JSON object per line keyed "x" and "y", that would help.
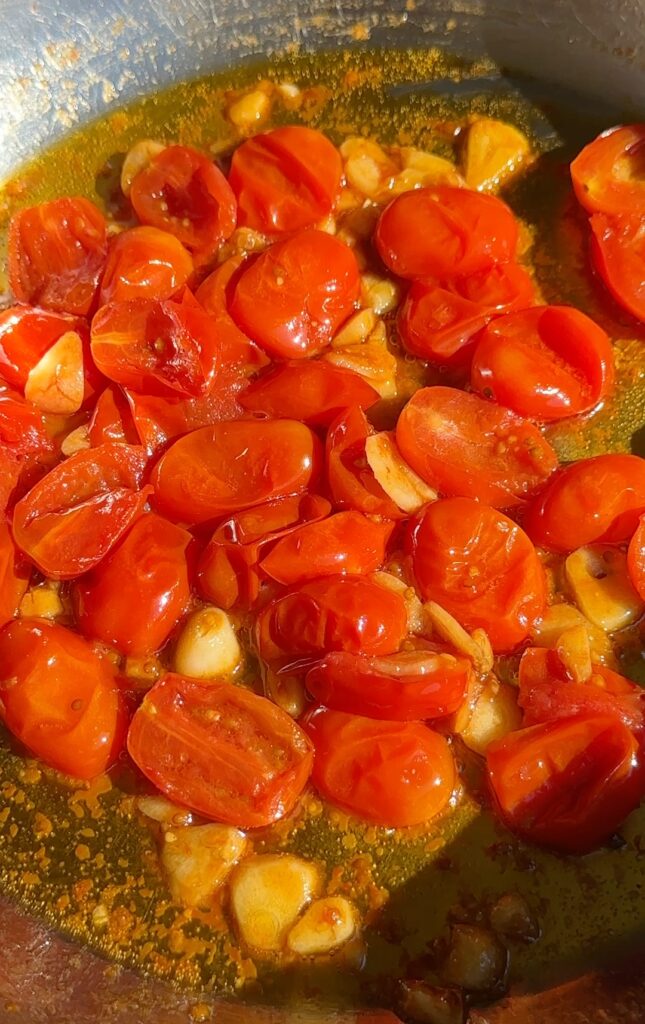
{"x": 137, "y": 159}
{"x": 488, "y": 713}
{"x": 371, "y": 359}
{"x": 325, "y": 926}
{"x": 76, "y": 441}
{"x": 414, "y": 608}
{"x": 207, "y": 646}
{"x": 158, "y": 808}
{"x": 559, "y": 617}
{"x": 598, "y": 580}
{"x": 399, "y": 481}
{"x": 56, "y": 383}
{"x": 368, "y": 168}
{"x": 268, "y": 894}
{"x": 249, "y": 110}
{"x": 494, "y": 151}
{"x": 476, "y": 647}
{"x": 423, "y": 170}
{"x": 145, "y": 670}
{"x": 574, "y": 651}
{"x": 356, "y": 330}
{"x": 197, "y": 860}
{"x": 379, "y": 293}
{"x": 42, "y": 602}
{"x": 287, "y": 691}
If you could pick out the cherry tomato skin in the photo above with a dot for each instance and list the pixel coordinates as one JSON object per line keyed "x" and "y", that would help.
{"x": 57, "y": 252}
{"x": 221, "y": 750}
{"x": 144, "y": 263}
{"x": 230, "y": 466}
{"x": 347, "y": 542}
{"x": 59, "y": 698}
{"x": 351, "y": 481}
{"x": 111, "y": 419}
{"x": 391, "y": 773}
{"x": 14, "y": 575}
{"x": 567, "y": 784}
{"x": 463, "y": 445}
{"x": 546, "y": 692}
{"x": 72, "y": 517}
{"x": 405, "y": 687}
{"x": 181, "y": 191}
{"x": 597, "y": 499}
{"x": 618, "y": 254}
{"x": 293, "y": 298}
{"x": 26, "y": 334}
{"x": 335, "y": 613}
{"x": 137, "y": 619}
{"x": 23, "y": 428}
{"x": 313, "y": 391}
{"x": 440, "y": 321}
{"x": 238, "y": 352}
{"x": 599, "y": 181}
{"x": 636, "y": 559}
{"x": 286, "y": 179}
{"x": 445, "y": 232}
{"x": 480, "y": 566}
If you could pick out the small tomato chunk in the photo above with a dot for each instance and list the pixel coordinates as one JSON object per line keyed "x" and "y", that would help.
{"x": 313, "y": 391}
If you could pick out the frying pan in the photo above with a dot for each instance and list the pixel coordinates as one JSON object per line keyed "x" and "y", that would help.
{"x": 64, "y": 62}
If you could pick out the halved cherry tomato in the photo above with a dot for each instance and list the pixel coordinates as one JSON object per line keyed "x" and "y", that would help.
{"x": 220, "y": 750}
{"x": 26, "y": 334}
{"x": 10, "y": 470}
{"x": 439, "y": 321}
{"x": 183, "y": 192}
{"x": 286, "y": 179}
{"x": 144, "y": 263}
{"x": 392, "y": 773}
{"x": 345, "y": 542}
{"x": 231, "y": 466}
{"x": 598, "y": 499}
{"x": 57, "y": 252}
{"x": 214, "y": 295}
{"x": 463, "y": 445}
{"x": 636, "y": 559}
{"x": 228, "y": 570}
{"x": 481, "y": 567}
{"x": 112, "y": 419}
{"x": 567, "y": 784}
{"x": 137, "y": 618}
{"x": 547, "y": 363}
{"x": 59, "y": 698}
{"x": 351, "y": 481}
{"x": 618, "y": 253}
{"x": 23, "y": 428}
{"x": 547, "y": 692}
{"x": 404, "y": 687}
{"x": 313, "y": 391}
{"x": 161, "y": 348}
{"x": 160, "y": 420}
{"x": 336, "y": 613}
{"x": 445, "y": 232}
{"x": 14, "y": 574}
{"x": 70, "y": 520}
{"x": 607, "y": 173}
{"x": 293, "y": 298}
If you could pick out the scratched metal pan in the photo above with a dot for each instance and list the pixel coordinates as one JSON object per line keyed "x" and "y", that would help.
{"x": 564, "y": 70}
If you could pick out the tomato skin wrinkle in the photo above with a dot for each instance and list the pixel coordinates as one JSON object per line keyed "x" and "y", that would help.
{"x": 144, "y": 263}
{"x": 312, "y": 391}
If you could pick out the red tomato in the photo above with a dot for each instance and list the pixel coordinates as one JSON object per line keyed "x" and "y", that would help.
{"x": 144, "y": 263}
{"x": 445, "y": 232}
{"x": 231, "y": 466}
{"x": 636, "y": 559}
{"x": 345, "y": 542}
{"x": 112, "y": 419}
{"x": 10, "y": 471}
{"x": 463, "y": 445}
{"x": 26, "y": 334}
{"x": 336, "y": 613}
{"x": 391, "y": 773}
{"x": 214, "y": 295}
{"x": 293, "y": 298}
{"x": 403, "y": 687}
{"x": 59, "y": 698}
{"x": 220, "y": 750}
{"x": 546, "y": 691}
{"x": 57, "y": 252}
{"x": 14, "y": 575}
{"x": 71, "y": 519}
{"x": 567, "y": 784}
{"x": 618, "y": 253}
{"x": 599, "y": 499}
{"x": 479, "y": 566}
{"x": 183, "y": 192}
{"x": 606, "y": 174}
{"x": 351, "y": 481}
{"x": 23, "y": 428}
{"x": 228, "y": 570}
{"x": 137, "y": 618}
{"x": 161, "y": 348}
{"x": 546, "y": 363}
{"x": 286, "y": 179}
{"x": 439, "y": 321}
{"x": 313, "y": 391}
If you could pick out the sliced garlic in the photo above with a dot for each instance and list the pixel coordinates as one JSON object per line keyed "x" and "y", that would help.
{"x": 56, "y": 384}
{"x": 598, "y": 579}
{"x": 371, "y": 360}
{"x": 414, "y": 608}
{"x": 144, "y": 670}
{"x": 137, "y": 159}
{"x": 157, "y": 808}
{"x": 574, "y": 651}
{"x": 368, "y": 168}
{"x": 396, "y": 477}
{"x": 356, "y": 330}
{"x": 287, "y": 691}
{"x": 207, "y": 647}
{"x": 476, "y": 647}
{"x": 379, "y": 293}
{"x": 494, "y": 152}
{"x": 489, "y": 712}
{"x": 325, "y": 926}
{"x": 268, "y": 894}
{"x": 76, "y": 441}
{"x": 559, "y": 617}
{"x": 42, "y": 602}
{"x": 249, "y": 110}
{"x": 197, "y": 860}
{"x": 422, "y": 170}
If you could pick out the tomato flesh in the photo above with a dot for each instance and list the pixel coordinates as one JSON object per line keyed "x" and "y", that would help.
{"x": 312, "y": 391}
{"x": 636, "y": 559}
{"x": 605, "y": 174}
{"x": 14, "y": 575}
{"x": 618, "y": 253}
{"x": 144, "y": 263}
{"x": 351, "y": 481}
